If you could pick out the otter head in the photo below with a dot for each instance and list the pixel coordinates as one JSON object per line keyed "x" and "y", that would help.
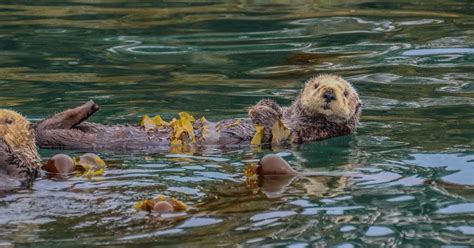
{"x": 19, "y": 158}
{"x": 332, "y": 97}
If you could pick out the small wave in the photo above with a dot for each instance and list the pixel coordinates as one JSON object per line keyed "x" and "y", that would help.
{"x": 438, "y": 51}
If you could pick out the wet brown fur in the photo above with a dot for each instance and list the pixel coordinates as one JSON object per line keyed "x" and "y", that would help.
{"x": 310, "y": 117}
{"x": 19, "y": 158}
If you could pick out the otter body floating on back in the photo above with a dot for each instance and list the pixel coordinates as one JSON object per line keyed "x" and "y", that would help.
{"x": 328, "y": 106}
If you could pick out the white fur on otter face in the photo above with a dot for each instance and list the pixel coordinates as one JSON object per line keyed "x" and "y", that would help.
{"x": 342, "y": 108}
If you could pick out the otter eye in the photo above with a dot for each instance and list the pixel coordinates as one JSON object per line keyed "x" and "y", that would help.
{"x": 8, "y": 121}
{"x": 316, "y": 86}
{"x": 346, "y": 93}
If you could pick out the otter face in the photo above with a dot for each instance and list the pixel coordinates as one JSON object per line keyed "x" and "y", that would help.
{"x": 14, "y": 128}
{"x": 19, "y": 158}
{"x": 330, "y": 96}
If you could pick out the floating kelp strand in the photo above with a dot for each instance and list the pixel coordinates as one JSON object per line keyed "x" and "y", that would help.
{"x": 279, "y": 132}
{"x": 89, "y": 165}
{"x": 251, "y": 177}
{"x": 148, "y": 123}
{"x": 159, "y": 121}
{"x": 259, "y": 133}
{"x": 160, "y": 204}
{"x": 182, "y": 128}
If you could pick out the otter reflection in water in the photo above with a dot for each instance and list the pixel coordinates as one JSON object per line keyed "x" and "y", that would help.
{"x": 273, "y": 174}
{"x": 270, "y": 183}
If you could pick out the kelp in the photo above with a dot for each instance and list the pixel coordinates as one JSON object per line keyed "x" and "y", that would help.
{"x": 259, "y": 133}
{"x": 250, "y": 171}
{"x": 149, "y": 204}
{"x": 147, "y": 123}
{"x": 279, "y": 132}
{"x": 182, "y": 127}
{"x": 159, "y": 121}
{"x": 178, "y": 205}
{"x": 183, "y": 131}
{"x": 251, "y": 177}
{"x": 151, "y": 124}
{"x": 89, "y": 165}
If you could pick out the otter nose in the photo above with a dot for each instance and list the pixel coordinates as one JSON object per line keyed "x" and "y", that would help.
{"x": 329, "y": 96}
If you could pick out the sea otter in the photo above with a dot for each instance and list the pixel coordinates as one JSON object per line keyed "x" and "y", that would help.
{"x": 327, "y": 106}
{"x": 19, "y": 158}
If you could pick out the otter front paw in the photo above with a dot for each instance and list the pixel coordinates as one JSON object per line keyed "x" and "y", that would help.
{"x": 266, "y": 113}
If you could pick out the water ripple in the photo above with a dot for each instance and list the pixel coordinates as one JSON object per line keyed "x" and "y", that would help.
{"x": 404, "y": 179}
{"x": 438, "y": 51}
{"x": 220, "y": 49}
{"x": 460, "y": 168}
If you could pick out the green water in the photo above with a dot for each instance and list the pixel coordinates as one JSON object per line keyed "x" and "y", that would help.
{"x": 406, "y": 178}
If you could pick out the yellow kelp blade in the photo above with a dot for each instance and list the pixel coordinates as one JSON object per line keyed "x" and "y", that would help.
{"x": 89, "y": 165}
{"x": 89, "y": 173}
{"x": 177, "y": 127}
{"x": 145, "y": 205}
{"x": 160, "y": 198}
{"x": 148, "y": 123}
{"x": 186, "y": 116}
{"x": 99, "y": 172}
{"x": 176, "y": 142}
{"x": 158, "y": 121}
{"x": 188, "y": 127}
{"x": 187, "y": 124}
{"x": 259, "y": 133}
{"x": 251, "y": 177}
{"x": 90, "y": 160}
{"x": 178, "y": 205}
{"x": 279, "y": 132}
{"x": 149, "y": 204}
{"x": 173, "y": 122}
{"x": 181, "y": 127}
{"x": 250, "y": 170}
{"x": 178, "y": 131}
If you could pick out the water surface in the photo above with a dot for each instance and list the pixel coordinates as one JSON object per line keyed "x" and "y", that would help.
{"x": 406, "y": 178}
